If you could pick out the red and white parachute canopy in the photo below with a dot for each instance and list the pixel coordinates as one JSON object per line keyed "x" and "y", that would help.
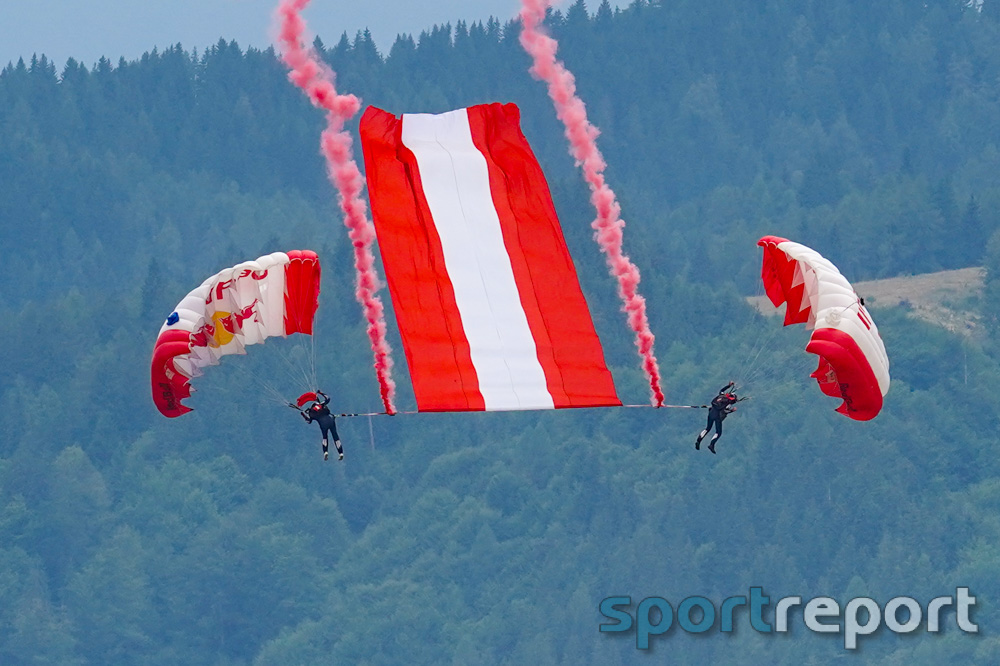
{"x": 485, "y": 292}
{"x": 853, "y": 364}
{"x": 244, "y": 305}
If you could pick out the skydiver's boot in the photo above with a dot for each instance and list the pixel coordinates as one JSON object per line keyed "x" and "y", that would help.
{"x": 697, "y": 442}
{"x": 326, "y": 450}
{"x": 711, "y": 445}
{"x": 340, "y": 449}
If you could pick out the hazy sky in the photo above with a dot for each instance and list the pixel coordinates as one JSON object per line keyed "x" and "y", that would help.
{"x": 88, "y": 29}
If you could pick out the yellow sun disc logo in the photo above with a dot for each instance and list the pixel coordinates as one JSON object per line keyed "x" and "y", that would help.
{"x": 221, "y": 336}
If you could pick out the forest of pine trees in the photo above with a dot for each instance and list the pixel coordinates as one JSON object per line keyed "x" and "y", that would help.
{"x": 870, "y": 131}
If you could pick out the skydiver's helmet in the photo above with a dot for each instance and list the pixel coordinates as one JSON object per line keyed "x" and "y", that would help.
{"x": 731, "y": 397}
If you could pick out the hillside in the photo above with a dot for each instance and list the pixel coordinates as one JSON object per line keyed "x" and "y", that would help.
{"x": 868, "y": 131}
{"x": 943, "y": 298}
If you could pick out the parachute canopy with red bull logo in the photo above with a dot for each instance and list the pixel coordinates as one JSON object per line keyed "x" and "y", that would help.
{"x": 275, "y": 295}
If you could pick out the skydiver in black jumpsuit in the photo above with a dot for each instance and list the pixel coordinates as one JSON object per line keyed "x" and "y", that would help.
{"x": 722, "y": 406}
{"x": 320, "y": 413}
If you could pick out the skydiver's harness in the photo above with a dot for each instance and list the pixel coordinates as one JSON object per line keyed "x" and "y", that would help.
{"x": 318, "y": 412}
{"x": 722, "y": 407}
{"x": 720, "y": 401}
{"x": 314, "y": 413}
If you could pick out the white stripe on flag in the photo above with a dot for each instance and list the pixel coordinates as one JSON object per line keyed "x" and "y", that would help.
{"x": 456, "y": 185}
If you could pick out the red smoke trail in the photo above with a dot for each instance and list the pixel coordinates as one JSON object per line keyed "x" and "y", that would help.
{"x": 583, "y": 146}
{"x": 316, "y": 80}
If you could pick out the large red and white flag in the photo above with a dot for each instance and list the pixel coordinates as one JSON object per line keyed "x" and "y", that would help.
{"x": 487, "y": 299}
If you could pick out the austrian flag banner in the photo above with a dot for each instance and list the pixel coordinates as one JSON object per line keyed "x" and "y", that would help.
{"x": 485, "y": 292}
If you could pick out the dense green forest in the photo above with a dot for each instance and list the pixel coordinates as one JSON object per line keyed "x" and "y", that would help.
{"x": 868, "y": 130}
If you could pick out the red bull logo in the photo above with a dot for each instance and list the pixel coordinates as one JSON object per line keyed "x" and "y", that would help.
{"x": 217, "y": 293}
{"x": 224, "y": 327}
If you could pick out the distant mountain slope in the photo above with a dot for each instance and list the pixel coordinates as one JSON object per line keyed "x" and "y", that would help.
{"x": 945, "y": 298}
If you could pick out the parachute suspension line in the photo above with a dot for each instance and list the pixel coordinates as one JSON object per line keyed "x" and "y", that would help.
{"x": 294, "y": 368}
{"x": 750, "y": 371}
{"x": 582, "y": 135}
{"x": 316, "y": 80}
{"x": 755, "y": 368}
{"x": 275, "y": 394}
{"x": 297, "y": 371}
{"x": 312, "y": 358}
{"x": 745, "y": 323}
{"x": 302, "y": 370}
{"x": 258, "y": 378}
{"x": 754, "y": 371}
{"x": 271, "y": 389}
{"x": 271, "y": 394}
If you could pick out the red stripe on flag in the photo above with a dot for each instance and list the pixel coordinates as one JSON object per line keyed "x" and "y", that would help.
{"x": 437, "y": 352}
{"x": 569, "y": 350}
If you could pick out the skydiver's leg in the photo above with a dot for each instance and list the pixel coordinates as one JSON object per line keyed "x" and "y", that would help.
{"x": 701, "y": 436}
{"x": 336, "y": 439}
{"x": 326, "y": 446}
{"x": 716, "y": 436}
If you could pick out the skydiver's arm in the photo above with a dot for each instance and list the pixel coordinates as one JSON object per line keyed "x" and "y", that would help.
{"x": 326, "y": 398}
{"x": 306, "y": 416}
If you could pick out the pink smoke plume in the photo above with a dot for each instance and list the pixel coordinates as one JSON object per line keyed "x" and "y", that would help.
{"x": 608, "y": 225}
{"x": 317, "y": 81}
